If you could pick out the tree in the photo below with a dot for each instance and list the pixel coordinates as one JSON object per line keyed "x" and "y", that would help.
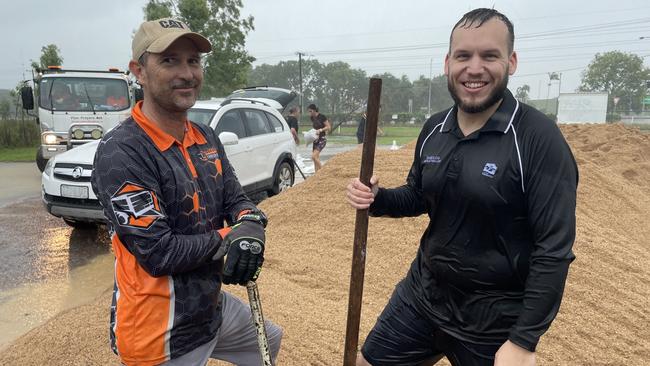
{"x": 226, "y": 68}
{"x": 283, "y": 75}
{"x": 621, "y": 75}
{"x": 334, "y": 87}
{"x": 343, "y": 89}
{"x": 5, "y": 109}
{"x": 50, "y": 56}
{"x": 522, "y": 93}
{"x": 157, "y": 10}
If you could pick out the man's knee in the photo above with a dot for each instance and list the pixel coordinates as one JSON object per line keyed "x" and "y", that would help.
{"x": 361, "y": 361}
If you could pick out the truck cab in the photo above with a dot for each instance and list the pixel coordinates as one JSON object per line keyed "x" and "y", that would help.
{"x": 74, "y": 107}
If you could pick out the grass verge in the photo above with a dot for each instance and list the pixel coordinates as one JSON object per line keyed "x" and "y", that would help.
{"x": 400, "y": 134}
{"x": 18, "y": 154}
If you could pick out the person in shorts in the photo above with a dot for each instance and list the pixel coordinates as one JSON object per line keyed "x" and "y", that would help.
{"x": 322, "y": 125}
{"x": 498, "y": 182}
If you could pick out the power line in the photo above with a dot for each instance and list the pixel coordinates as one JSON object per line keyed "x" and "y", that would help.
{"x": 447, "y": 27}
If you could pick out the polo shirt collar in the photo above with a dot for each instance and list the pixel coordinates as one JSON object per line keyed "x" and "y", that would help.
{"x": 499, "y": 121}
{"x": 161, "y": 139}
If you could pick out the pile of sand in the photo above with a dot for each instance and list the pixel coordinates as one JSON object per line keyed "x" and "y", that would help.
{"x": 304, "y": 286}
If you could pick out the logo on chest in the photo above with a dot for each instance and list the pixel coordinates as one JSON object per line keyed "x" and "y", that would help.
{"x": 210, "y": 154}
{"x": 489, "y": 170}
{"x": 432, "y": 159}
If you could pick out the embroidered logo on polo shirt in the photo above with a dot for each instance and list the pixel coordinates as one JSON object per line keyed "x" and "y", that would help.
{"x": 432, "y": 159}
{"x": 210, "y": 154}
{"x": 489, "y": 170}
{"x": 135, "y": 206}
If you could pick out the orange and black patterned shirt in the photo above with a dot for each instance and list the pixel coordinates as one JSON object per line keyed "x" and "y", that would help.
{"x": 165, "y": 200}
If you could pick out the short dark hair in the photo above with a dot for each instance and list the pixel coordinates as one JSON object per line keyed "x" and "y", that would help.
{"x": 478, "y": 17}
{"x": 143, "y": 58}
{"x": 313, "y": 107}
{"x": 293, "y": 110}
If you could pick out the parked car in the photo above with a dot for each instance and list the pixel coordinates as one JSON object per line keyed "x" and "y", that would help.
{"x": 278, "y": 98}
{"x": 66, "y": 187}
{"x": 256, "y": 138}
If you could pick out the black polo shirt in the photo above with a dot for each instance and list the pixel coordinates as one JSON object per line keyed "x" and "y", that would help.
{"x": 493, "y": 261}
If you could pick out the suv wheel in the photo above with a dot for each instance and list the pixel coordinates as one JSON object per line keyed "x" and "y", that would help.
{"x": 283, "y": 179}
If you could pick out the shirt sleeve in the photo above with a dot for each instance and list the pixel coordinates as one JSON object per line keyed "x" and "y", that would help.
{"x": 406, "y": 200}
{"x": 550, "y": 184}
{"x": 127, "y": 185}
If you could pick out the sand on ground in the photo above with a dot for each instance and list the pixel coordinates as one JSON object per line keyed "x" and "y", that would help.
{"x": 603, "y": 319}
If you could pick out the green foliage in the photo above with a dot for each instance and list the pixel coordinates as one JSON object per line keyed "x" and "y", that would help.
{"x": 157, "y": 9}
{"x": 50, "y": 56}
{"x": 341, "y": 91}
{"x": 344, "y": 90}
{"x": 16, "y": 154}
{"x": 226, "y": 68}
{"x": 18, "y": 133}
{"x": 400, "y": 134}
{"x": 613, "y": 117}
{"x": 285, "y": 74}
{"x": 522, "y": 93}
{"x": 5, "y": 109}
{"x": 620, "y": 74}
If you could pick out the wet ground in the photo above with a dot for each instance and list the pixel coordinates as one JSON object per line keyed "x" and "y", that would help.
{"x": 46, "y": 266}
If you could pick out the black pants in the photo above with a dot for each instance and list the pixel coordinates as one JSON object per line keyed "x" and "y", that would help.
{"x": 402, "y": 336}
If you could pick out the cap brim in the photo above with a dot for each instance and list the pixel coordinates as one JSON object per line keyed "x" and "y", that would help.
{"x": 162, "y": 43}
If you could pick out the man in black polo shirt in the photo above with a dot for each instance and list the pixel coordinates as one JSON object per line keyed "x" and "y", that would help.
{"x": 498, "y": 182}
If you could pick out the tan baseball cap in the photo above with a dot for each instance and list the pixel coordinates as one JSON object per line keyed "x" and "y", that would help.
{"x": 156, "y": 35}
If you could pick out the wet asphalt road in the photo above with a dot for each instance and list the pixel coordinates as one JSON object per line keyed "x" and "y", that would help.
{"x": 47, "y": 267}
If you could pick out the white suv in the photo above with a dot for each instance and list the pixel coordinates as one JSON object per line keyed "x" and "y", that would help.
{"x": 256, "y": 138}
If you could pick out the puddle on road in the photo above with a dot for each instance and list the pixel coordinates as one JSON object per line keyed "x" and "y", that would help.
{"x": 46, "y": 267}
{"x": 30, "y": 305}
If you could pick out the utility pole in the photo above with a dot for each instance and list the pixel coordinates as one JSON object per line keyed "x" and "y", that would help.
{"x": 559, "y": 92}
{"x": 430, "y": 81}
{"x": 300, "y": 54}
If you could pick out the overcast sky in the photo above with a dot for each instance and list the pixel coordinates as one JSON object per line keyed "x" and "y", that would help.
{"x": 401, "y": 37}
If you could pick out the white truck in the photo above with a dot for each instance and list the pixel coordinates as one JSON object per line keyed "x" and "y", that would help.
{"x": 76, "y": 106}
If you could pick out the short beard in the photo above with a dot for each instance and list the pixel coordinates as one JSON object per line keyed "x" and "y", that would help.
{"x": 495, "y": 96}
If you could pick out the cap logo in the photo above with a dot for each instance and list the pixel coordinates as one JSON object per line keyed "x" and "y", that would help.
{"x": 169, "y": 23}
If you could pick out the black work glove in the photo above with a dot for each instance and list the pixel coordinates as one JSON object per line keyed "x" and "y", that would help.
{"x": 245, "y": 253}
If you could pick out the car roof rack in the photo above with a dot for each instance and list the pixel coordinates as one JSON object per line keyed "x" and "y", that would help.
{"x": 251, "y": 101}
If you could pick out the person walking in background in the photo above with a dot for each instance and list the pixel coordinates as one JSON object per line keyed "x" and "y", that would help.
{"x": 292, "y": 121}
{"x": 166, "y": 187}
{"x": 361, "y": 129}
{"x": 322, "y": 125}
{"x": 498, "y": 183}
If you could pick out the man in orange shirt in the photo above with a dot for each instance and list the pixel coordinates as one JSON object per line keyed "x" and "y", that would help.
{"x": 167, "y": 187}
